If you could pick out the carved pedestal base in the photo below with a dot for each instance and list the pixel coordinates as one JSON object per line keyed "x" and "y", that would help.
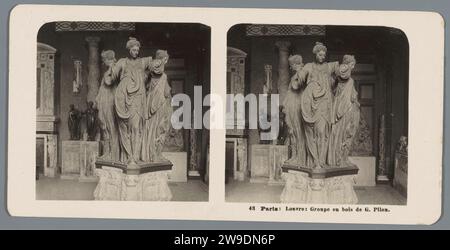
{"x": 148, "y": 183}
{"x": 321, "y": 186}
{"x": 47, "y": 152}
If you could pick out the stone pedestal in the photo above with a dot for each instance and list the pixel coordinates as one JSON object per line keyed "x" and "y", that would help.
{"x": 367, "y": 170}
{"x": 78, "y": 160}
{"x": 48, "y": 157}
{"x": 144, "y": 182}
{"x": 238, "y": 147}
{"x": 401, "y": 173}
{"x": 319, "y": 186}
{"x": 278, "y": 155}
{"x": 46, "y": 120}
{"x": 179, "y": 169}
{"x": 266, "y": 163}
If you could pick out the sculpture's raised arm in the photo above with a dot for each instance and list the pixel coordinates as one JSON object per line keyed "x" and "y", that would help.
{"x": 334, "y": 72}
{"x": 302, "y": 77}
{"x": 334, "y": 67}
{"x": 147, "y": 62}
{"x": 115, "y": 70}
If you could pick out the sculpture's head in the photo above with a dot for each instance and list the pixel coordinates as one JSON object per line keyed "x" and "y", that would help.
{"x": 349, "y": 60}
{"x": 133, "y": 46}
{"x": 295, "y": 62}
{"x": 72, "y": 107}
{"x": 162, "y": 55}
{"x": 108, "y": 57}
{"x": 90, "y": 104}
{"x": 344, "y": 71}
{"x": 320, "y": 51}
{"x": 157, "y": 66}
{"x": 159, "y": 62}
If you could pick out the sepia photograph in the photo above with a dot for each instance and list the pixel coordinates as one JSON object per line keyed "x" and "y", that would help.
{"x": 314, "y": 116}
{"x": 104, "y": 105}
{"x": 332, "y": 114}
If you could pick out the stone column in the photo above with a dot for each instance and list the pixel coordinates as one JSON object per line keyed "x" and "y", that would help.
{"x": 283, "y": 68}
{"x": 52, "y": 155}
{"x": 93, "y": 67}
{"x": 193, "y": 159}
{"x": 382, "y": 171}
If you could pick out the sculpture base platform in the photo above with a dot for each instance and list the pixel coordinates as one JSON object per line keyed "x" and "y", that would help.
{"x": 139, "y": 182}
{"x": 319, "y": 186}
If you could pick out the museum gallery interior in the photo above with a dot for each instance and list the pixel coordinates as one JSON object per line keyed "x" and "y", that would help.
{"x": 70, "y": 67}
{"x": 258, "y": 62}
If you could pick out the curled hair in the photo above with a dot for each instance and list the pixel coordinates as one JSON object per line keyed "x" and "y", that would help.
{"x": 295, "y": 59}
{"x": 319, "y": 47}
{"x": 133, "y": 42}
{"x": 108, "y": 55}
{"x": 161, "y": 54}
{"x": 347, "y": 59}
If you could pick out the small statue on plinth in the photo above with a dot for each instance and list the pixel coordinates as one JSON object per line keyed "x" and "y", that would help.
{"x": 91, "y": 121}
{"x": 74, "y": 123}
{"x": 265, "y": 113}
{"x": 283, "y": 132}
{"x": 402, "y": 145}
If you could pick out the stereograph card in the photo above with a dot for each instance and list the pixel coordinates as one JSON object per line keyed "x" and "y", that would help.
{"x": 283, "y": 115}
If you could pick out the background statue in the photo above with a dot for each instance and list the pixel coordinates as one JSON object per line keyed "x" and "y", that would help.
{"x": 130, "y": 100}
{"x": 316, "y": 104}
{"x": 74, "y": 123}
{"x": 106, "y": 112}
{"x": 345, "y": 115}
{"x": 267, "y": 88}
{"x": 265, "y": 114}
{"x": 159, "y": 110}
{"x": 91, "y": 121}
{"x": 283, "y": 133}
{"x": 402, "y": 145}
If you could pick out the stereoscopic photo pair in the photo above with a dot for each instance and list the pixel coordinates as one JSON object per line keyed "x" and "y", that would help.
{"x": 197, "y": 114}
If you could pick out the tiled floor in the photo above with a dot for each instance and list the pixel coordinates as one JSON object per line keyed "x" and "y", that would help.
{"x": 57, "y": 189}
{"x": 195, "y": 190}
{"x": 263, "y": 193}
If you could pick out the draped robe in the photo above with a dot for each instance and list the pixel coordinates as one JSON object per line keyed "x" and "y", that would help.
{"x": 157, "y": 124}
{"x": 346, "y": 116}
{"x": 316, "y": 105}
{"x": 107, "y": 118}
{"x": 292, "y": 109}
{"x": 130, "y": 104}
